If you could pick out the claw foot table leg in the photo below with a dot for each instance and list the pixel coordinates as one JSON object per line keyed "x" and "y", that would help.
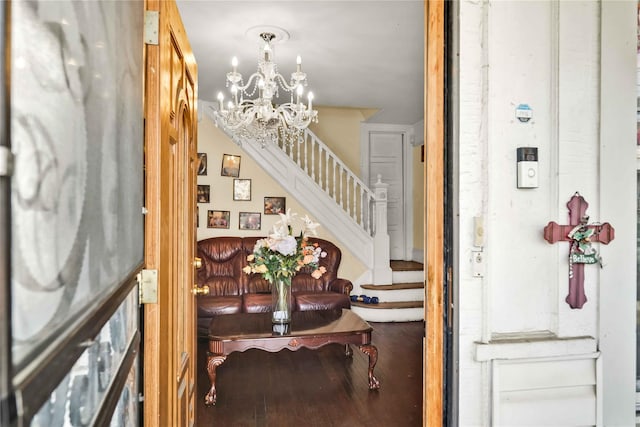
{"x": 372, "y": 352}
{"x": 213, "y": 361}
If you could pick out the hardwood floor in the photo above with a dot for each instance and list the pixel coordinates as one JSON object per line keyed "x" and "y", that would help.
{"x": 319, "y": 387}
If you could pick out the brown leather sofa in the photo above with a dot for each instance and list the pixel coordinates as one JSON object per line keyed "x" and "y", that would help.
{"x": 233, "y": 291}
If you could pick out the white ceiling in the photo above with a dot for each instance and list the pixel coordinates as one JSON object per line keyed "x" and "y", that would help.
{"x": 363, "y": 54}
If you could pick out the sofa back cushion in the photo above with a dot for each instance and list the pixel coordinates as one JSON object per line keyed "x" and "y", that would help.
{"x": 222, "y": 261}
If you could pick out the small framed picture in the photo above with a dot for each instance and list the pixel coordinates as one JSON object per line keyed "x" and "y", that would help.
{"x": 218, "y": 219}
{"x": 202, "y": 163}
{"x": 275, "y": 205}
{"x": 241, "y": 189}
{"x": 249, "y": 221}
{"x": 230, "y": 165}
{"x": 203, "y": 193}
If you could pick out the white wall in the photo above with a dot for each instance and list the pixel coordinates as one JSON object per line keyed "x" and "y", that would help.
{"x": 514, "y": 320}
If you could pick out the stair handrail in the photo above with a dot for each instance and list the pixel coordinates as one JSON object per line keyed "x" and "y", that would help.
{"x": 303, "y": 155}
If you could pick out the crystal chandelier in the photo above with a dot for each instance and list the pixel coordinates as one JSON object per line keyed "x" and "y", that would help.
{"x": 260, "y": 119}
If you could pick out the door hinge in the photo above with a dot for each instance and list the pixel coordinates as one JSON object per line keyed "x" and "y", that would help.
{"x": 148, "y": 286}
{"x": 151, "y": 25}
{"x": 6, "y": 161}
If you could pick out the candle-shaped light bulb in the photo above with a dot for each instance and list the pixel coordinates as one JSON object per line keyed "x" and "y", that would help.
{"x": 230, "y": 105}
{"x": 310, "y": 98}
{"x": 220, "y": 99}
{"x": 234, "y": 91}
{"x": 267, "y": 51}
{"x": 298, "y": 63}
{"x": 299, "y": 91}
{"x": 234, "y": 63}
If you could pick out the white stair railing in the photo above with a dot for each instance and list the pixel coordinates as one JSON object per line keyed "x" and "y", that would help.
{"x": 330, "y": 173}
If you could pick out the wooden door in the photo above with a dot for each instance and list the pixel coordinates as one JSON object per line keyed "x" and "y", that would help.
{"x": 171, "y": 158}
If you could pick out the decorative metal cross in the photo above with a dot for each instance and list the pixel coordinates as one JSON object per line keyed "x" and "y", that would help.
{"x": 581, "y": 235}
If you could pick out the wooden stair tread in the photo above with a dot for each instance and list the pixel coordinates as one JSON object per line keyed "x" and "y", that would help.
{"x": 390, "y": 305}
{"x": 394, "y": 286}
{"x": 406, "y": 266}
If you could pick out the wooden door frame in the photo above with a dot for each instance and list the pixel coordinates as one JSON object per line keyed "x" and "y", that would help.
{"x": 434, "y": 69}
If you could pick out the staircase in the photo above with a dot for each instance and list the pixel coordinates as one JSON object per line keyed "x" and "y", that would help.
{"x": 355, "y": 214}
{"x": 401, "y": 301}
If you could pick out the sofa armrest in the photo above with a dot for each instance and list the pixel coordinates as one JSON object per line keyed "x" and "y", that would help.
{"x": 342, "y": 286}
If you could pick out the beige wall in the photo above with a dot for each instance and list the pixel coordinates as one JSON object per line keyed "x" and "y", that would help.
{"x": 339, "y": 128}
{"x": 215, "y": 143}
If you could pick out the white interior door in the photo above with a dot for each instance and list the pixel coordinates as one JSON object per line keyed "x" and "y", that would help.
{"x": 386, "y": 154}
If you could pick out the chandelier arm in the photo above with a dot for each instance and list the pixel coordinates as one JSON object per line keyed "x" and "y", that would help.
{"x": 283, "y": 83}
{"x": 253, "y": 76}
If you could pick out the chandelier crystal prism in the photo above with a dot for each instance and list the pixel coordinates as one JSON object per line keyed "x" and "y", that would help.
{"x": 260, "y": 119}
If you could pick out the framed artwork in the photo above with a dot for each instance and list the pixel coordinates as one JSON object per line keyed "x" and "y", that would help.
{"x": 230, "y": 165}
{"x": 275, "y": 205}
{"x": 241, "y": 189}
{"x": 202, "y": 163}
{"x": 203, "y": 193}
{"x": 218, "y": 219}
{"x": 249, "y": 221}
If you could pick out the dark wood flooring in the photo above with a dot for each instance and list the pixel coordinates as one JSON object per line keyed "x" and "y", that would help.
{"x": 406, "y": 265}
{"x": 321, "y": 387}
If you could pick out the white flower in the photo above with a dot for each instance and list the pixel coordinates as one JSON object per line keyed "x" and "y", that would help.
{"x": 310, "y": 226}
{"x": 262, "y": 243}
{"x": 285, "y": 219}
{"x": 280, "y": 231}
{"x": 286, "y": 246}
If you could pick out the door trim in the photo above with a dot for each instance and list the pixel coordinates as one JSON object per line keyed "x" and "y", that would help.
{"x": 434, "y": 207}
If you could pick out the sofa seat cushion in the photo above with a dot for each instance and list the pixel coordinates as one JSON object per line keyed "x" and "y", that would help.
{"x": 306, "y": 301}
{"x": 209, "y": 306}
{"x": 256, "y": 303}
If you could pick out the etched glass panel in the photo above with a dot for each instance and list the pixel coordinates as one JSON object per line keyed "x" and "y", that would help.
{"x": 77, "y": 136}
{"x": 126, "y": 413}
{"x": 80, "y": 394}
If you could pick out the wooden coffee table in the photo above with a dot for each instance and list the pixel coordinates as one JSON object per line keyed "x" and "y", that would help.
{"x": 310, "y": 329}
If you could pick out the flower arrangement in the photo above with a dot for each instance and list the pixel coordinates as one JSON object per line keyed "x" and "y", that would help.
{"x": 279, "y": 256}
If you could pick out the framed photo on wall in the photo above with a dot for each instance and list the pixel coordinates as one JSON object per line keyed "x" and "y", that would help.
{"x": 241, "y": 189}
{"x": 249, "y": 221}
{"x": 202, "y": 163}
{"x": 275, "y": 205}
{"x": 230, "y": 165}
{"x": 218, "y": 219}
{"x": 204, "y": 192}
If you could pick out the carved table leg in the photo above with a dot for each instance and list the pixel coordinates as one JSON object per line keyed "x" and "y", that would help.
{"x": 372, "y": 352}
{"x": 213, "y": 361}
